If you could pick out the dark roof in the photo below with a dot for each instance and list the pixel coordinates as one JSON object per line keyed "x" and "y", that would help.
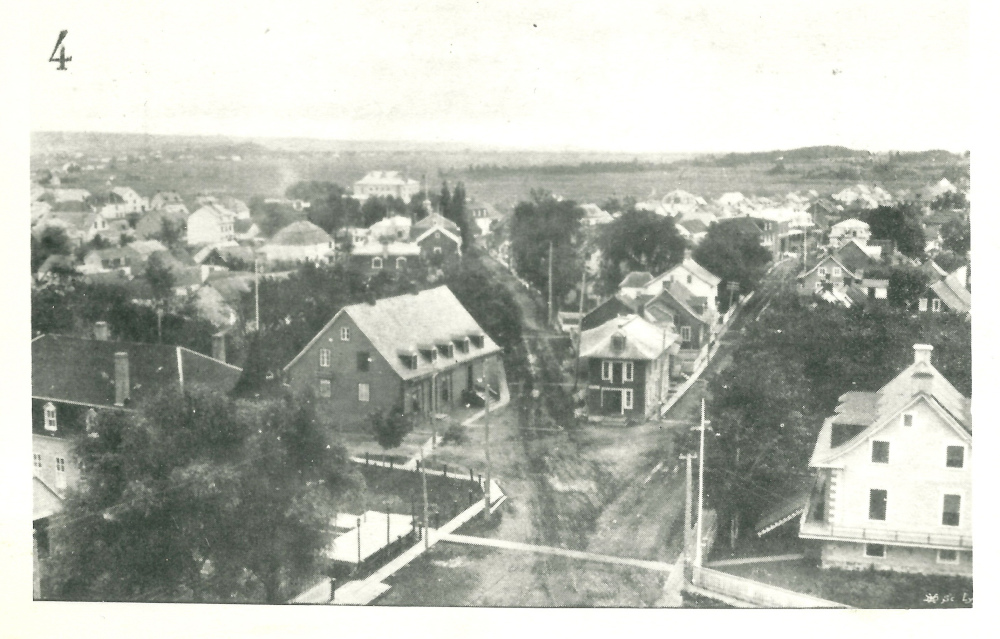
{"x": 82, "y": 371}
{"x": 853, "y": 257}
{"x": 695, "y": 226}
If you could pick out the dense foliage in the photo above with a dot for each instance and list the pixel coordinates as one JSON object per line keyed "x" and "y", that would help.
{"x": 956, "y": 236}
{"x": 637, "y": 241}
{"x": 900, "y": 223}
{"x": 390, "y": 427}
{"x": 786, "y": 377}
{"x": 734, "y": 256}
{"x": 200, "y": 498}
{"x": 536, "y": 224}
{"x": 330, "y": 205}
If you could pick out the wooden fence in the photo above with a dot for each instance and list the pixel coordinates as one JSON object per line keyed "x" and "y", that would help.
{"x": 755, "y": 592}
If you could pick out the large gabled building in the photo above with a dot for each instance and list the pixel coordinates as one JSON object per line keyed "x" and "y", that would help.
{"x": 418, "y": 353}
{"x": 894, "y": 477}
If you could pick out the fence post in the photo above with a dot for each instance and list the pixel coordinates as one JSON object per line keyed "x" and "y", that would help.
{"x": 471, "y": 476}
{"x": 390, "y": 463}
{"x": 366, "y": 458}
{"x": 446, "y": 471}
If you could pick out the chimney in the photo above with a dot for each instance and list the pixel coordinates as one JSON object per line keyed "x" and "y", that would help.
{"x": 123, "y": 386}
{"x": 219, "y": 347}
{"x": 922, "y": 353}
{"x": 101, "y": 331}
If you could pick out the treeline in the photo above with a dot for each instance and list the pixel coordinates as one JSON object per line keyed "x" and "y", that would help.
{"x": 584, "y": 168}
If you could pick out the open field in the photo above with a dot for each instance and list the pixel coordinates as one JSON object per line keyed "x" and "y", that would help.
{"x": 267, "y": 169}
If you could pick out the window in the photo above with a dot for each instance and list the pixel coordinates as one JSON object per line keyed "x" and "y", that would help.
{"x": 618, "y": 342}
{"x": 324, "y": 354}
{"x": 627, "y": 399}
{"x": 50, "y": 416}
{"x": 837, "y": 272}
{"x": 437, "y": 250}
{"x": 822, "y": 271}
{"x": 922, "y": 304}
{"x": 947, "y": 556}
{"x": 478, "y": 340}
{"x": 876, "y": 504}
{"x": 376, "y": 263}
{"x": 956, "y": 457}
{"x": 690, "y": 279}
{"x": 345, "y": 334}
{"x": 874, "y": 550}
{"x": 880, "y": 452}
{"x": 60, "y": 472}
{"x": 952, "y": 512}
{"x": 437, "y": 235}
{"x": 936, "y": 305}
{"x": 363, "y": 361}
{"x": 324, "y": 388}
{"x": 819, "y": 286}
{"x": 606, "y": 370}
{"x": 628, "y": 371}
{"x": 364, "y": 392}
{"x": 908, "y": 419}
{"x": 37, "y": 460}
{"x": 400, "y": 262}
{"x": 685, "y": 334}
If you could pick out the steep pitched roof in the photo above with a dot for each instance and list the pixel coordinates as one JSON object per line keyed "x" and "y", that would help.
{"x": 404, "y": 323}
{"x": 435, "y": 219}
{"x": 956, "y": 298}
{"x": 677, "y": 296}
{"x": 636, "y": 279}
{"x": 920, "y": 381}
{"x": 853, "y": 257}
{"x": 375, "y": 248}
{"x": 694, "y": 226}
{"x": 743, "y": 225}
{"x": 301, "y": 233}
{"x": 82, "y": 371}
{"x": 931, "y": 268}
{"x": 701, "y": 272}
{"x": 643, "y": 340}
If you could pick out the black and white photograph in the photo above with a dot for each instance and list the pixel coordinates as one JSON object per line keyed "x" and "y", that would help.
{"x": 508, "y": 305}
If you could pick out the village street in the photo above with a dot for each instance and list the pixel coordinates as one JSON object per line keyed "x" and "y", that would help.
{"x": 604, "y": 490}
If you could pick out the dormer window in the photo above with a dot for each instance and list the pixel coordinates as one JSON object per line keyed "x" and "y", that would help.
{"x": 430, "y": 352}
{"x": 447, "y": 350}
{"x": 463, "y": 344}
{"x": 618, "y": 342}
{"x": 410, "y": 360}
{"x": 50, "y": 417}
{"x": 477, "y": 340}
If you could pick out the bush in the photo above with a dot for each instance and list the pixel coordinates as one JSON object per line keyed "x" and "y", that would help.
{"x": 455, "y": 434}
{"x": 391, "y": 427}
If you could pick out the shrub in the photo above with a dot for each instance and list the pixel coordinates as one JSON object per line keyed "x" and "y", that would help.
{"x": 469, "y": 398}
{"x": 391, "y": 427}
{"x": 455, "y": 434}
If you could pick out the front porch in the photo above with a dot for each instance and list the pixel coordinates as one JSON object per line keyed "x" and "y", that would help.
{"x": 811, "y": 529}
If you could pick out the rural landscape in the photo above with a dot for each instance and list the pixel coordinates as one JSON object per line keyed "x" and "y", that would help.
{"x": 290, "y": 370}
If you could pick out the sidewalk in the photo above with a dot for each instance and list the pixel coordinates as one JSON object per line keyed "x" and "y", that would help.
{"x": 563, "y": 552}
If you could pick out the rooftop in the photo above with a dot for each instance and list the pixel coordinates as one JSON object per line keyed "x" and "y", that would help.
{"x": 643, "y": 340}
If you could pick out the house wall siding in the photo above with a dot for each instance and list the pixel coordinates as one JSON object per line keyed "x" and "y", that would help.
{"x": 637, "y": 385}
{"x": 449, "y": 249}
{"x": 916, "y": 478}
{"x": 50, "y": 448}
{"x": 343, "y": 406}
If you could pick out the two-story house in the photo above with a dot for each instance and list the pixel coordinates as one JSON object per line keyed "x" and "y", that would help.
{"x": 850, "y": 229}
{"x": 628, "y": 368}
{"x": 211, "y": 224}
{"x": 840, "y": 269}
{"x": 417, "y": 353}
{"x": 894, "y": 477}
{"x": 696, "y": 278}
{"x": 690, "y": 318}
{"x": 75, "y": 380}
{"x": 439, "y": 238}
{"x": 300, "y": 241}
{"x": 375, "y": 256}
{"x": 948, "y": 294}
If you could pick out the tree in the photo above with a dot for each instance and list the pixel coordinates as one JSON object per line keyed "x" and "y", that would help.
{"x": 198, "y": 497}
{"x": 490, "y": 304}
{"x": 170, "y": 233}
{"x": 535, "y": 224}
{"x": 906, "y": 284}
{"x": 638, "y": 240}
{"x": 52, "y": 241}
{"x": 456, "y": 212}
{"x": 444, "y": 199}
{"x": 900, "y": 223}
{"x": 391, "y": 427}
{"x": 376, "y": 208}
{"x": 330, "y": 205}
{"x": 271, "y": 217}
{"x": 733, "y": 255}
{"x": 956, "y": 235}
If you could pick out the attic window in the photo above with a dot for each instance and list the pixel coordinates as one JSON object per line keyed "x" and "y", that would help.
{"x": 430, "y": 353}
{"x": 409, "y": 360}
{"x": 618, "y": 342}
{"x": 908, "y": 419}
{"x": 477, "y": 340}
{"x": 50, "y": 417}
{"x": 463, "y": 344}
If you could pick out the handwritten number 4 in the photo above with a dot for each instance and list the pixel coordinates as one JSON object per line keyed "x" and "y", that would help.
{"x": 62, "y": 59}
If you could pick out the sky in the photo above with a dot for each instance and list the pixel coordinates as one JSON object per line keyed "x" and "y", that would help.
{"x": 665, "y": 76}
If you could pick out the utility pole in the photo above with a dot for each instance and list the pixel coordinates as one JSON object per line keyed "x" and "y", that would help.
{"x": 256, "y": 295}
{"x": 579, "y": 329}
{"x": 550, "y": 284}
{"x": 688, "y": 498}
{"x": 701, "y": 486}
{"x": 486, "y": 438}
{"x": 423, "y": 475}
